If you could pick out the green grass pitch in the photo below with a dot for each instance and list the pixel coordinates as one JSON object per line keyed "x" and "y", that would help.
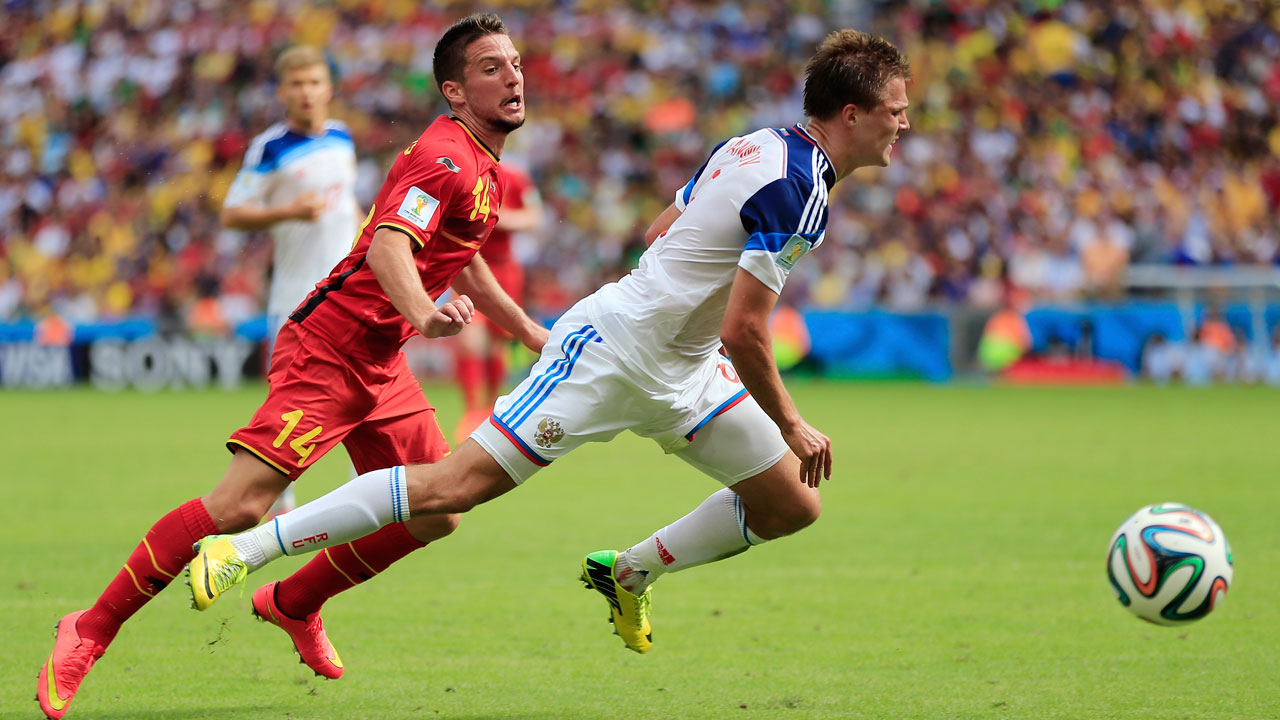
{"x": 957, "y": 571}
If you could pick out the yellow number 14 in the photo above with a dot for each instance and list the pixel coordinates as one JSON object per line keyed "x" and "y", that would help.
{"x": 299, "y": 444}
{"x": 481, "y": 193}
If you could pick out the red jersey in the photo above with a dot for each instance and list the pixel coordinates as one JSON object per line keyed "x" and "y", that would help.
{"x": 497, "y": 249}
{"x": 443, "y": 191}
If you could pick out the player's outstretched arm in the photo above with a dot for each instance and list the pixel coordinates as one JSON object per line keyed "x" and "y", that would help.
{"x": 307, "y": 206}
{"x": 745, "y": 334}
{"x": 477, "y": 282}
{"x": 391, "y": 260}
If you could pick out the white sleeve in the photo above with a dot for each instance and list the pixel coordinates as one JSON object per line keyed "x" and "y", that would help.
{"x": 249, "y": 188}
{"x": 252, "y": 183}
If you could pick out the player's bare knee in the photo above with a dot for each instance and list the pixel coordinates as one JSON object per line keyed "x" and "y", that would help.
{"x": 787, "y": 518}
{"x": 428, "y": 528}
{"x": 244, "y": 494}
{"x": 235, "y": 516}
{"x": 803, "y": 513}
{"x": 449, "y": 523}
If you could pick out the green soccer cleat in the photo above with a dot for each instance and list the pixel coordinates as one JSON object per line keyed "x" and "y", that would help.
{"x": 215, "y": 569}
{"x": 629, "y": 613}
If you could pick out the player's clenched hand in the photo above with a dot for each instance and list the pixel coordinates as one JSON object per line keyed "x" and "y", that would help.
{"x": 308, "y": 206}
{"x": 450, "y": 318}
{"x": 814, "y": 450}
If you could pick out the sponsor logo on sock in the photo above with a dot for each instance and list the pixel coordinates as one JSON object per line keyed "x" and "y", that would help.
{"x": 314, "y": 539}
{"x": 602, "y": 579}
{"x": 663, "y": 554}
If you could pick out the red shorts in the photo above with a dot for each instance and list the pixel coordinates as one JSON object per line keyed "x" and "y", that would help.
{"x": 511, "y": 277}
{"x": 319, "y": 396}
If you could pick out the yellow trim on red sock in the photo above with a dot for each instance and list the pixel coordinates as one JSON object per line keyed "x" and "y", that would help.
{"x": 362, "y": 562}
{"x": 153, "y": 560}
{"x": 137, "y": 584}
{"x": 335, "y": 567}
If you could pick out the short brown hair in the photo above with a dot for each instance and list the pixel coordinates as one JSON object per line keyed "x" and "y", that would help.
{"x": 450, "y": 58}
{"x": 850, "y": 67}
{"x": 299, "y": 56}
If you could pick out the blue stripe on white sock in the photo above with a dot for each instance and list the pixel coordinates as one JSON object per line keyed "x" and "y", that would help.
{"x": 404, "y": 492}
{"x": 391, "y": 486}
{"x": 742, "y": 518}
{"x": 397, "y": 472}
{"x": 276, "y": 521}
{"x": 395, "y": 495}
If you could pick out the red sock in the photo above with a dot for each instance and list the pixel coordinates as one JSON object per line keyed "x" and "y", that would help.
{"x": 153, "y": 565}
{"x": 495, "y": 373}
{"x": 470, "y": 375}
{"x": 342, "y": 567}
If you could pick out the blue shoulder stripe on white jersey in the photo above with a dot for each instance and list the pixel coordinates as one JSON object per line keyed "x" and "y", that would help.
{"x": 280, "y": 146}
{"x": 338, "y": 128}
{"x": 805, "y": 161}
{"x": 769, "y": 242}
{"x": 253, "y": 156}
{"x": 794, "y": 204}
{"x": 816, "y": 206}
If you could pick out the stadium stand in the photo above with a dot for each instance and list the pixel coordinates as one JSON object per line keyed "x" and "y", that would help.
{"x": 1054, "y": 143}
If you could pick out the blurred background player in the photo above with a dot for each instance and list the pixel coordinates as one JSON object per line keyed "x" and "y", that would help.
{"x": 298, "y": 181}
{"x": 482, "y": 346}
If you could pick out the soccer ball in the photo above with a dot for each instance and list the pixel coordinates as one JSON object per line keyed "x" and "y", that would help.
{"x": 1169, "y": 564}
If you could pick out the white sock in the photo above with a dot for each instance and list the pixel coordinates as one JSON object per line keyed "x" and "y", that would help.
{"x": 351, "y": 511}
{"x": 715, "y": 530}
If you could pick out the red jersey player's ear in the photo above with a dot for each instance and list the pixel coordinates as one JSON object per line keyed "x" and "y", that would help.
{"x": 453, "y": 92}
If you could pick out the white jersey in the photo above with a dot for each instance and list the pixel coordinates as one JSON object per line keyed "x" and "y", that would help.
{"x": 280, "y": 165}
{"x": 759, "y": 203}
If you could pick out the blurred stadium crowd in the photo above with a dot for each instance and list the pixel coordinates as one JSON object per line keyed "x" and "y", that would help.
{"x": 1054, "y": 143}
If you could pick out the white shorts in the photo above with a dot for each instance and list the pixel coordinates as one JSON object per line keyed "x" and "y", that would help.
{"x": 580, "y": 391}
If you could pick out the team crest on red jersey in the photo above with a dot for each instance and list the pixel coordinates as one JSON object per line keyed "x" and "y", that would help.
{"x": 549, "y": 433}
